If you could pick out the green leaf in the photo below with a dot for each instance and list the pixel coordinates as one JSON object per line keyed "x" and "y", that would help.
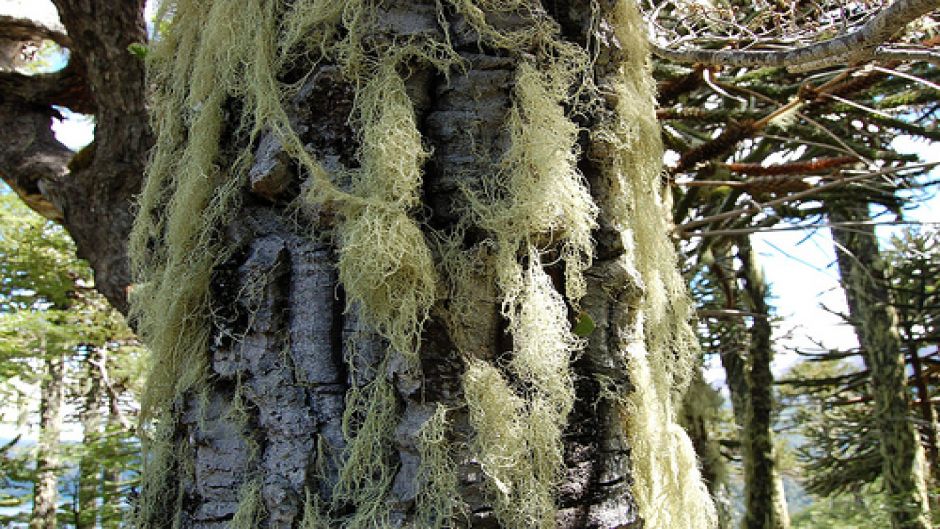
{"x": 138, "y": 50}
{"x": 583, "y": 325}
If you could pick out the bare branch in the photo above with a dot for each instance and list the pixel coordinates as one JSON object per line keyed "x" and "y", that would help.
{"x": 683, "y": 229}
{"x": 728, "y": 314}
{"x": 837, "y": 225}
{"x": 885, "y": 53}
{"x": 860, "y": 45}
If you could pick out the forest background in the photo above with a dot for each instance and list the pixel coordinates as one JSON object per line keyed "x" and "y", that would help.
{"x": 53, "y": 325}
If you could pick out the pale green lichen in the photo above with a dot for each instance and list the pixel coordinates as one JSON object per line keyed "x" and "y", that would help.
{"x": 438, "y": 500}
{"x": 250, "y": 510}
{"x": 661, "y": 355}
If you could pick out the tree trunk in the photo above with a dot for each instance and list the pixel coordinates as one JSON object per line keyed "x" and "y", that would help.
{"x": 875, "y": 321}
{"x": 89, "y": 467}
{"x": 928, "y": 415}
{"x": 750, "y": 384}
{"x": 45, "y": 494}
{"x": 427, "y": 341}
{"x": 766, "y": 504}
{"x": 112, "y": 476}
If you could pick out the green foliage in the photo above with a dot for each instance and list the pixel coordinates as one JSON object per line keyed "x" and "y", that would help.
{"x": 48, "y": 306}
{"x": 830, "y": 398}
{"x": 863, "y": 509}
{"x": 583, "y": 325}
{"x": 138, "y": 50}
{"x": 832, "y": 411}
{"x": 38, "y": 269}
{"x": 913, "y": 267}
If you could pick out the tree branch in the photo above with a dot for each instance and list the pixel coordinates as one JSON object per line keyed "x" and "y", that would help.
{"x": 24, "y": 29}
{"x": 66, "y": 88}
{"x": 860, "y": 45}
{"x": 683, "y": 230}
{"x": 31, "y": 158}
{"x": 97, "y": 198}
{"x": 90, "y": 195}
{"x": 886, "y": 53}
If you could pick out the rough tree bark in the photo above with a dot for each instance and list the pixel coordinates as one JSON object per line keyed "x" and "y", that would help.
{"x": 255, "y": 444}
{"x": 291, "y": 361}
{"x": 875, "y": 321}
{"x": 45, "y": 494}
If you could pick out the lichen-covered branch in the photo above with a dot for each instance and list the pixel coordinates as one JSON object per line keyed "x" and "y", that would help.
{"x": 875, "y": 321}
{"x": 860, "y": 45}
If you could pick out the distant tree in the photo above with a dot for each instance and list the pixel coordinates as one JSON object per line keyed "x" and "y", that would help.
{"x": 50, "y": 319}
{"x": 324, "y": 173}
{"x": 865, "y": 283}
{"x": 913, "y": 269}
{"x": 733, "y": 301}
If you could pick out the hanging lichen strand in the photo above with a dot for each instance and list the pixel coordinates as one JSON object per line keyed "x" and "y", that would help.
{"x": 385, "y": 265}
{"x": 218, "y": 71}
{"x": 519, "y": 442}
{"x": 661, "y": 357}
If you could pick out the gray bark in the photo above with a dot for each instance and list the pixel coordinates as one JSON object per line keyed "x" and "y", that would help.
{"x": 875, "y": 321}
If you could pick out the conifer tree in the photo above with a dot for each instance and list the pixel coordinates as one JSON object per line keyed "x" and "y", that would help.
{"x": 866, "y": 289}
